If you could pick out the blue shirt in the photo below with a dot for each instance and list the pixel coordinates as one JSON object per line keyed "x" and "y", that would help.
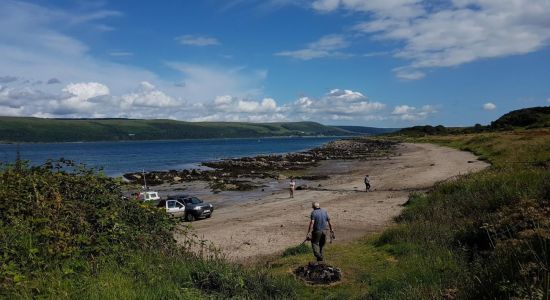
{"x": 320, "y": 216}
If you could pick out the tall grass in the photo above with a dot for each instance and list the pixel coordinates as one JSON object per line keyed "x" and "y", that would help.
{"x": 492, "y": 227}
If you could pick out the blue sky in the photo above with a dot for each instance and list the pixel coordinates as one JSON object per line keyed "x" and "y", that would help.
{"x": 385, "y": 63}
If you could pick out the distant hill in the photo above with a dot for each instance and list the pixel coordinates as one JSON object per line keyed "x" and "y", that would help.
{"x": 426, "y": 130}
{"x": 23, "y": 129}
{"x": 534, "y": 117}
{"x": 526, "y": 118}
{"x": 367, "y": 130}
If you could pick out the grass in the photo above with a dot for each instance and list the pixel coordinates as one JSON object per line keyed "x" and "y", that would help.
{"x": 149, "y": 276}
{"x": 300, "y": 249}
{"x": 482, "y": 236}
{"x": 386, "y": 272}
{"x": 511, "y": 148}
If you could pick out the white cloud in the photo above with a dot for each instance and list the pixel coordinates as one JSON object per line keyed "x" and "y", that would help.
{"x": 18, "y": 97}
{"x": 403, "y": 109}
{"x": 232, "y": 104}
{"x": 407, "y": 73}
{"x": 86, "y": 90}
{"x": 229, "y": 108}
{"x": 548, "y": 100}
{"x": 90, "y": 99}
{"x": 411, "y": 113}
{"x": 326, "y": 5}
{"x": 147, "y": 95}
{"x": 197, "y": 40}
{"x": 337, "y": 104}
{"x": 382, "y": 8}
{"x": 489, "y": 106}
{"x": 93, "y": 99}
{"x": 79, "y": 98}
{"x": 326, "y": 46}
{"x": 450, "y": 33}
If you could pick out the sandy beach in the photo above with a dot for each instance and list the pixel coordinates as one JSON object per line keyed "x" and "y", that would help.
{"x": 249, "y": 225}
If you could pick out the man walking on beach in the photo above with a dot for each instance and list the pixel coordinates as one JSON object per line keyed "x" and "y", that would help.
{"x": 367, "y": 183}
{"x": 292, "y": 186}
{"x": 317, "y": 231}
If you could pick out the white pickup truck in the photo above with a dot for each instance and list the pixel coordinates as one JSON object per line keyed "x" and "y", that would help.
{"x": 173, "y": 207}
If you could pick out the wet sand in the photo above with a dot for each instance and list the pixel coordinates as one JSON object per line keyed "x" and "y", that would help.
{"x": 248, "y": 225}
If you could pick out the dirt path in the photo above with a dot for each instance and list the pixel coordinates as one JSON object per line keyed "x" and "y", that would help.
{"x": 275, "y": 222}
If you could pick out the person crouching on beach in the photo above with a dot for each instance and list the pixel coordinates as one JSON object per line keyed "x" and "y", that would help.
{"x": 292, "y": 186}
{"x": 367, "y": 183}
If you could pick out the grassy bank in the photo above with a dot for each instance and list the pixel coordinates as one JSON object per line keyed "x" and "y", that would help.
{"x": 481, "y": 236}
{"x": 65, "y": 232}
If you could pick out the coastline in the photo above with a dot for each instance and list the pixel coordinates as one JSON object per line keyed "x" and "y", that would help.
{"x": 247, "y": 172}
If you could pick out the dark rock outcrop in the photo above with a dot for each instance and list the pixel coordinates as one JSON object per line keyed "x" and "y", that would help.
{"x": 319, "y": 273}
{"x": 228, "y": 174}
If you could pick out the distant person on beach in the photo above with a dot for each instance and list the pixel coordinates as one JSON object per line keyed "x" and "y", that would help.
{"x": 317, "y": 230}
{"x": 367, "y": 183}
{"x": 292, "y": 186}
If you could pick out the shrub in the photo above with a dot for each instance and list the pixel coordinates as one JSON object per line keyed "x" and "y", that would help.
{"x": 66, "y": 232}
{"x": 494, "y": 222}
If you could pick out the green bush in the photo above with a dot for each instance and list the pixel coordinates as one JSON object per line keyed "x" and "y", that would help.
{"x": 66, "y": 232}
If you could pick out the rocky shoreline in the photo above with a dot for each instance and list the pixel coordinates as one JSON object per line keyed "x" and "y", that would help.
{"x": 238, "y": 174}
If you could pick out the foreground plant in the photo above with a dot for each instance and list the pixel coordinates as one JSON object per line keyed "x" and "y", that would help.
{"x": 66, "y": 232}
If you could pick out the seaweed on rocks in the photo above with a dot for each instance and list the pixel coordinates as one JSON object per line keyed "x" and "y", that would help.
{"x": 232, "y": 185}
{"x": 227, "y": 174}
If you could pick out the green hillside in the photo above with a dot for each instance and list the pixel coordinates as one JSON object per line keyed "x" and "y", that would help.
{"x": 533, "y": 117}
{"x": 17, "y": 129}
{"x": 527, "y": 118}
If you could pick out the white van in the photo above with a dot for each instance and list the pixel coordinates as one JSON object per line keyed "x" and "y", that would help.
{"x": 149, "y": 196}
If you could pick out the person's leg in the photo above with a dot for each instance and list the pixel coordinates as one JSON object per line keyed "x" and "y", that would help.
{"x": 322, "y": 242}
{"x": 315, "y": 240}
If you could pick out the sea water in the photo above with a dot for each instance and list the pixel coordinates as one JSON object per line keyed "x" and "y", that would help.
{"x": 117, "y": 158}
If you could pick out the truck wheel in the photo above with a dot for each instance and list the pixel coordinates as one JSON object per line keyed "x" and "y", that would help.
{"x": 189, "y": 217}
